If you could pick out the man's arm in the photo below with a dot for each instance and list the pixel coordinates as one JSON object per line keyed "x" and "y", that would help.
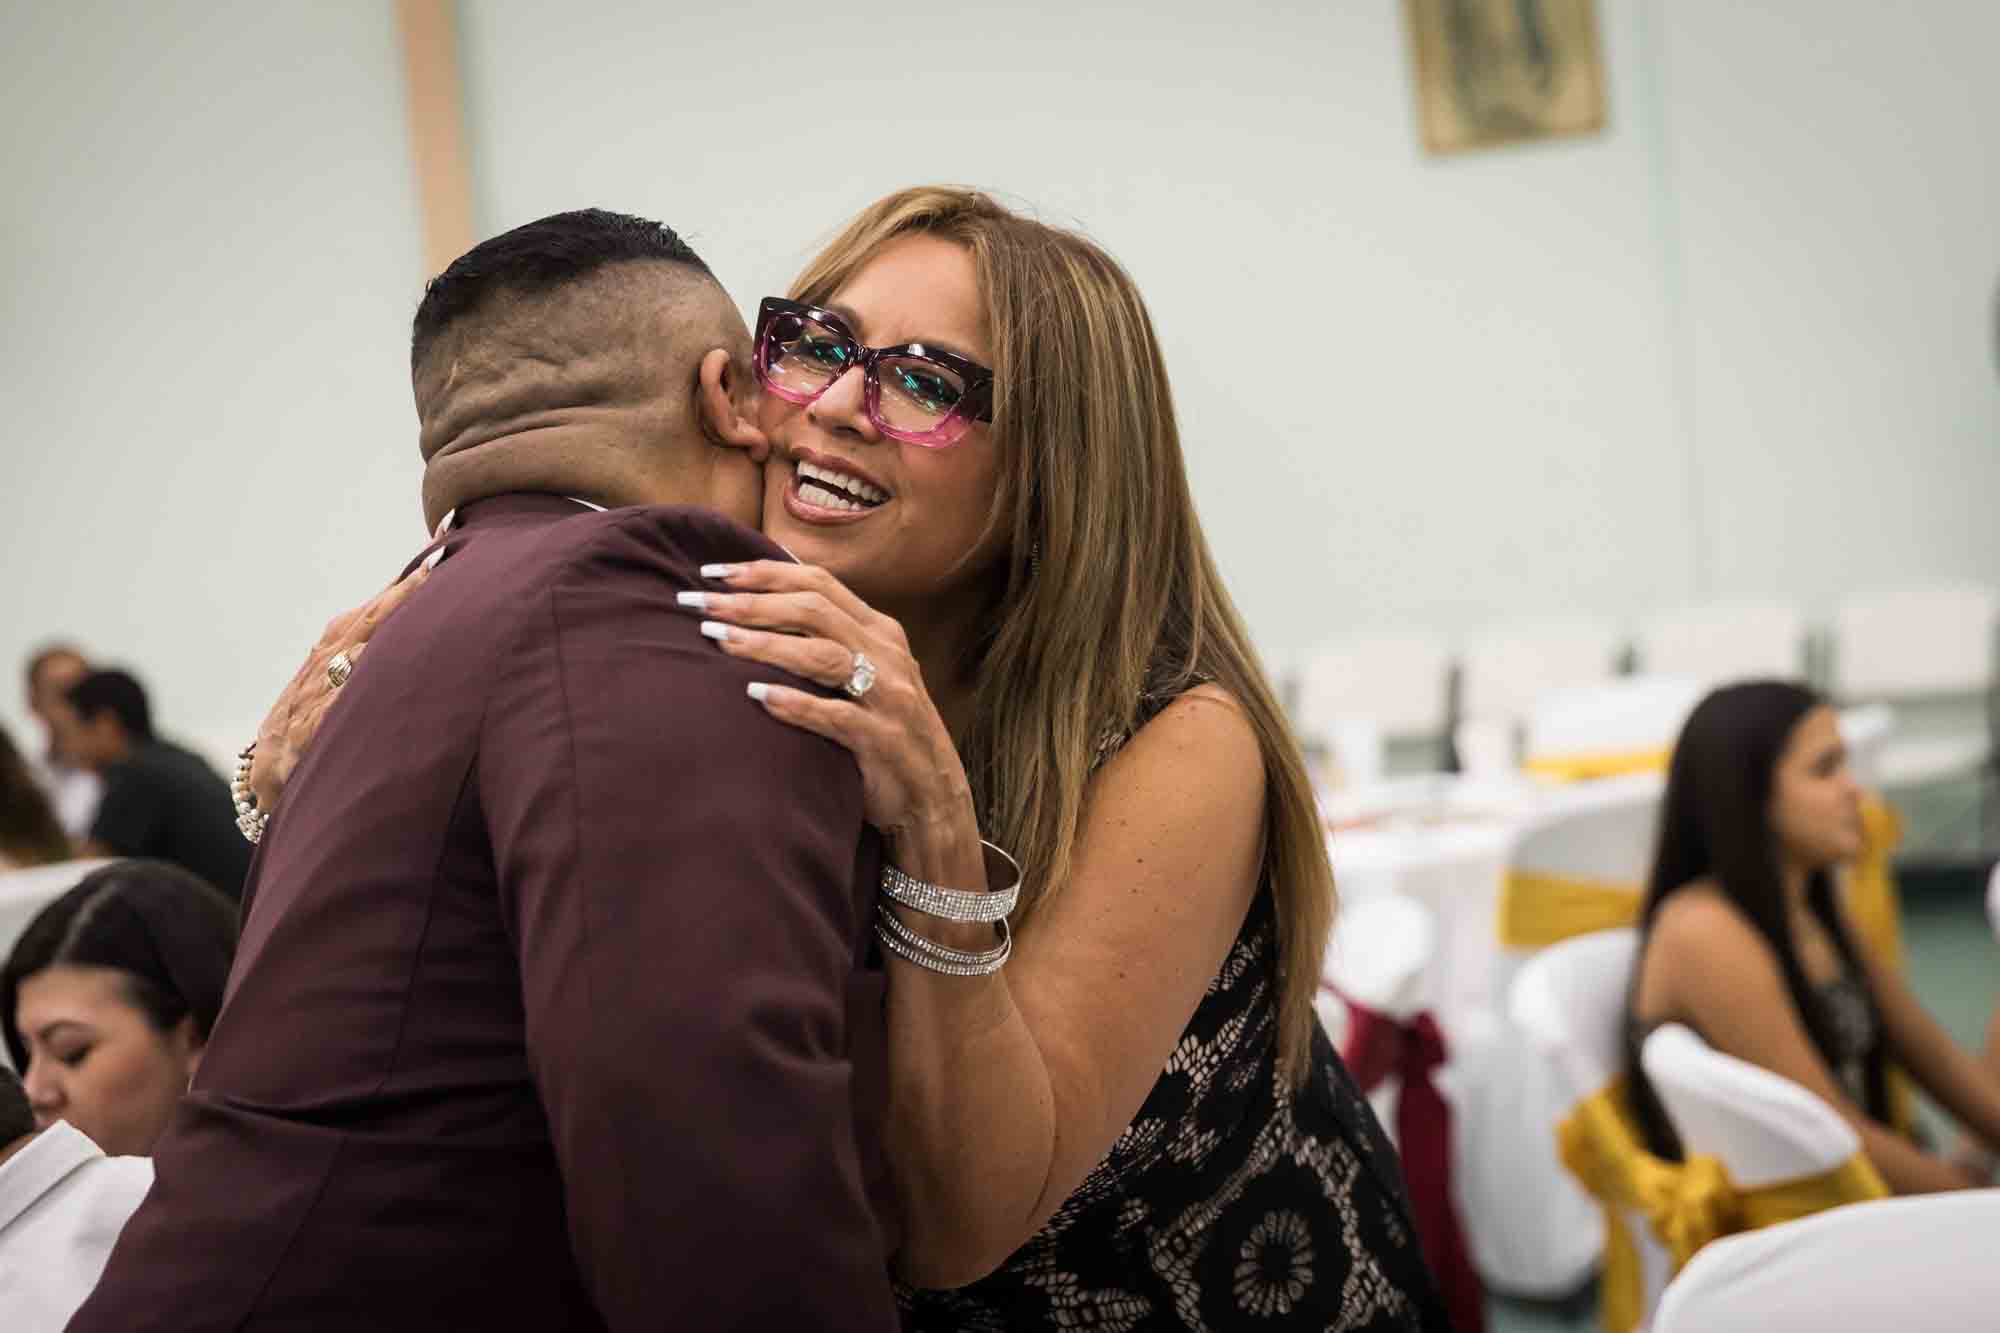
{"x": 678, "y": 870}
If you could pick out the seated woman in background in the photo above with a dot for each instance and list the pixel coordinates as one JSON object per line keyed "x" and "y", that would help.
{"x": 29, "y": 833}
{"x": 1744, "y": 939}
{"x": 107, "y": 999}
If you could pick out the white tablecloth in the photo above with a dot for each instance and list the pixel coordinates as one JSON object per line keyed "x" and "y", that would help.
{"x": 1442, "y": 841}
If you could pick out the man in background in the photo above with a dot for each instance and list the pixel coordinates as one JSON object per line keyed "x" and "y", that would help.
{"x": 73, "y": 790}
{"x": 160, "y": 801}
{"x": 62, "y": 1205}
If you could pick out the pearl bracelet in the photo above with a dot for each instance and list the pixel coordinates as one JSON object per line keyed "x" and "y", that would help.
{"x": 250, "y": 820}
{"x": 911, "y": 947}
{"x": 958, "y": 904}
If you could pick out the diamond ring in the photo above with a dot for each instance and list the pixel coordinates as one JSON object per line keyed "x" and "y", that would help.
{"x": 863, "y": 679}
{"x": 339, "y": 669}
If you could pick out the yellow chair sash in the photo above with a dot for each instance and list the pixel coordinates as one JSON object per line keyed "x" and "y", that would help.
{"x": 1875, "y": 906}
{"x": 1687, "y": 1204}
{"x": 1539, "y": 909}
{"x": 1589, "y": 767}
{"x": 1873, "y": 903}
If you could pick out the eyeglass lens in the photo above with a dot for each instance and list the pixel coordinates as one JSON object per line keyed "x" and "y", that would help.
{"x": 914, "y": 393}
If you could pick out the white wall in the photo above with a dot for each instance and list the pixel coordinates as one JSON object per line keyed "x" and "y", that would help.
{"x": 210, "y": 258}
{"x": 1390, "y": 371}
{"x": 1738, "y": 344}
{"x": 1837, "y": 195}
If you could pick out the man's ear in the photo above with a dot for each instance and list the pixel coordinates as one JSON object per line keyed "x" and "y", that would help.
{"x": 722, "y": 417}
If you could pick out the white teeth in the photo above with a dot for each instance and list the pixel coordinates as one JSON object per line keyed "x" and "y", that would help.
{"x": 824, "y": 498}
{"x": 842, "y": 481}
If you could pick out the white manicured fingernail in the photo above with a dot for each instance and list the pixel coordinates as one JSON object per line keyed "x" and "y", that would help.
{"x": 697, "y": 600}
{"x": 718, "y": 571}
{"x": 759, "y": 691}
{"x": 714, "y": 629}
{"x": 431, "y": 560}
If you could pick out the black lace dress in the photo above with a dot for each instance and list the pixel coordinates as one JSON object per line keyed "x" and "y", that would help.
{"x": 1232, "y": 1201}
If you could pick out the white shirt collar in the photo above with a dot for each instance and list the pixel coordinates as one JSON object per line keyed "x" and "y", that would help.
{"x": 451, "y": 515}
{"x": 41, "y": 1165}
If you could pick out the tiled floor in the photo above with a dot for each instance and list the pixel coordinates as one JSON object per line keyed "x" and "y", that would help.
{"x": 1954, "y": 965}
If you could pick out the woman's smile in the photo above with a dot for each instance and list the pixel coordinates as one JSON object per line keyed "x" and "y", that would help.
{"x": 822, "y": 489}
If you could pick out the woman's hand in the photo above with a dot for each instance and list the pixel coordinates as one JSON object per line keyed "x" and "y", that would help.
{"x": 288, "y": 729}
{"x": 803, "y": 620}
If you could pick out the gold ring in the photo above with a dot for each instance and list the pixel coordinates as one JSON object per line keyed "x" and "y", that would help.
{"x": 339, "y": 669}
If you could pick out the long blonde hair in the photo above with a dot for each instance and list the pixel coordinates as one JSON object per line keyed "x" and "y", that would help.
{"x": 1109, "y": 593}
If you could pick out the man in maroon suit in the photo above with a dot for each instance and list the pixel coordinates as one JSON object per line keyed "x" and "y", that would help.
{"x": 553, "y": 1007}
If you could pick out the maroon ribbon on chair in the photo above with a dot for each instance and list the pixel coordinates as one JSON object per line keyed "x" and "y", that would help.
{"x": 1412, "y": 1051}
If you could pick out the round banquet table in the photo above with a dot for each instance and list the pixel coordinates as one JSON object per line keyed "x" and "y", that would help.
{"x": 1446, "y": 841}
{"x": 1442, "y": 841}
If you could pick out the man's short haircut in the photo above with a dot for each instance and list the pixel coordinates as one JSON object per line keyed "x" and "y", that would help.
{"x": 17, "y": 1117}
{"x": 117, "y": 693}
{"x": 47, "y": 654}
{"x": 537, "y": 258}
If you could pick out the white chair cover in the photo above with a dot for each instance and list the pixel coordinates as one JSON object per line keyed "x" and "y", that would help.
{"x": 1395, "y": 683}
{"x": 1916, "y": 641}
{"x": 1761, "y": 1126}
{"x": 1569, "y": 1003}
{"x": 1917, "y": 1265}
{"x": 1503, "y": 672}
{"x": 1601, "y": 831}
{"x": 1380, "y": 953}
{"x": 1634, "y": 713}
{"x": 1509, "y": 1098}
{"x": 1725, "y": 641}
{"x": 1933, "y": 644}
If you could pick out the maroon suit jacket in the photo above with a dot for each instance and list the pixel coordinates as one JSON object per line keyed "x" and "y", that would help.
{"x": 552, "y": 1008}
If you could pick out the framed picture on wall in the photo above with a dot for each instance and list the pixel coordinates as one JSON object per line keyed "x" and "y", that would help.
{"x": 1495, "y": 72}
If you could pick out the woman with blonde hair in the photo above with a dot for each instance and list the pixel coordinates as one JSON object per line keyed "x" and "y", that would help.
{"x": 1136, "y": 1121}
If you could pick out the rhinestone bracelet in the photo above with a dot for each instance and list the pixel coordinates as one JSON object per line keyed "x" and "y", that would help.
{"x": 250, "y": 820}
{"x": 908, "y": 945}
{"x": 958, "y": 904}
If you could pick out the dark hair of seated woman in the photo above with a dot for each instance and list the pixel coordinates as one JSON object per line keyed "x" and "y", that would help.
{"x": 29, "y": 833}
{"x": 108, "y": 998}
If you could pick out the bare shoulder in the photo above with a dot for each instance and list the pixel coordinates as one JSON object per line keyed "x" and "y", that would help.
{"x": 1700, "y": 937}
{"x": 1206, "y": 728}
{"x": 1697, "y": 916}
